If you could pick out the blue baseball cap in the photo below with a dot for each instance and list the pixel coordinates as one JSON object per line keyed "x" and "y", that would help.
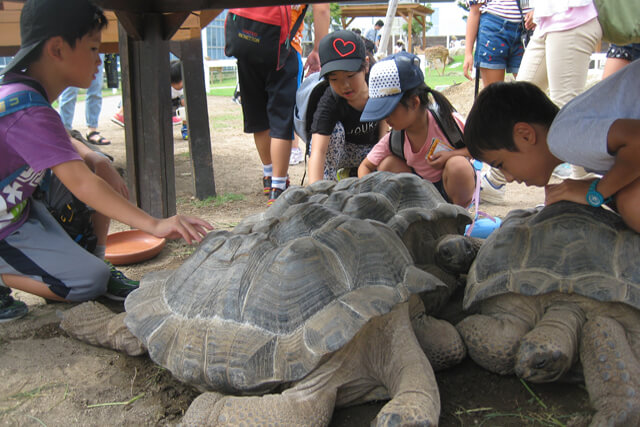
{"x": 389, "y": 79}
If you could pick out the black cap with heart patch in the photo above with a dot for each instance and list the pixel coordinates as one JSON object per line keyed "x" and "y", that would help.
{"x": 341, "y": 51}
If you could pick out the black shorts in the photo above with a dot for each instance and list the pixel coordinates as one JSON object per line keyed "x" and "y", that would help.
{"x": 268, "y": 97}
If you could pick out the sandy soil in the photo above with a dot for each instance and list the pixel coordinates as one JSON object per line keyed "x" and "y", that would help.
{"x": 51, "y": 379}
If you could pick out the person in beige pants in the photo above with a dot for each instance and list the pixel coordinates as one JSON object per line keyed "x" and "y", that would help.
{"x": 557, "y": 57}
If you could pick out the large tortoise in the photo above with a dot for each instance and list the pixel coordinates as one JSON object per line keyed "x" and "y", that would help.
{"x": 431, "y": 228}
{"x": 313, "y": 301}
{"x": 556, "y": 286}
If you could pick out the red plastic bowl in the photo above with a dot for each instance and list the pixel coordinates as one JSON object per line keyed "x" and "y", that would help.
{"x": 132, "y": 246}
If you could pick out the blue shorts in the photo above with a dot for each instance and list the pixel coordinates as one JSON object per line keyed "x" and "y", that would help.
{"x": 628, "y": 52}
{"x": 499, "y": 46}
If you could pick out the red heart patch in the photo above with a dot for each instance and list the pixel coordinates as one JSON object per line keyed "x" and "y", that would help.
{"x": 344, "y": 48}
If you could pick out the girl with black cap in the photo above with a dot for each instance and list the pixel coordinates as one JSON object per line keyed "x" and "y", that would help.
{"x": 339, "y": 139}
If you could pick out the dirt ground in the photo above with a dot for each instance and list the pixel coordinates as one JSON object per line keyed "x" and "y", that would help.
{"x": 50, "y": 379}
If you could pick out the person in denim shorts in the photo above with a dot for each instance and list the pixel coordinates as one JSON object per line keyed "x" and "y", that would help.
{"x": 497, "y": 25}
{"x": 619, "y": 56}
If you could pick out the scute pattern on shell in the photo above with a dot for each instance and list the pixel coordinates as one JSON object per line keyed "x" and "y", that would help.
{"x": 266, "y": 302}
{"x": 248, "y": 311}
{"x": 565, "y": 247}
{"x": 379, "y": 196}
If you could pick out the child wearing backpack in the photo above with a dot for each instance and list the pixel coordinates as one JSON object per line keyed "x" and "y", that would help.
{"x": 398, "y": 94}
{"x": 339, "y": 139}
{"x": 60, "y": 42}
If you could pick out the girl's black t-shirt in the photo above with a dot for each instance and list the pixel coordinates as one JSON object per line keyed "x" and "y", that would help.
{"x": 333, "y": 109}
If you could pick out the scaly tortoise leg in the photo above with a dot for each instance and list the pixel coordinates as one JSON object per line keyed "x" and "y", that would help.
{"x": 611, "y": 373}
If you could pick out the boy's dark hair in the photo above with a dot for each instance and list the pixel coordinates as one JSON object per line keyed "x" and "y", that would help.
{"x": 41, "y": 20}
{"x": 428, "y": 97}
{"x": 498, "y": 108}
{"x": 175, "y": 71}
{"x": 379, "y": 23}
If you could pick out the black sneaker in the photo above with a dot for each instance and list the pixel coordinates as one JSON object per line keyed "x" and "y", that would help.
{"x": 120, "y": 286}
{"x": 274, "y": 194}
{"x": 266, "y": 185}
{"x": 10, "y": 309}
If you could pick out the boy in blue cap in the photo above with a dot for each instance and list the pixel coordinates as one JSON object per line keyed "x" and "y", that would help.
{"x": 598, "y": 130}
{"x": 60, "y": 42}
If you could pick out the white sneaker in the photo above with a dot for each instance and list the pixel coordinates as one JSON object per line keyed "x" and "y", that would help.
{"x": 491, "y": 193}
{"x": 579, "y": 173}
{"x": 297, "y": 156}
{"x": 562, "y": 171}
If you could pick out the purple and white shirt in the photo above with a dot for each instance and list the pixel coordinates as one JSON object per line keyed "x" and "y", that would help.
{"x": 34, "y": 137}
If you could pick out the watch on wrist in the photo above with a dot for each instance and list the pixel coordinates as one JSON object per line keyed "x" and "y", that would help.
{"x": 594, "y": 197}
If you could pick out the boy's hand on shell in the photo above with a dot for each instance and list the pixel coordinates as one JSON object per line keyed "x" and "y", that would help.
{"x": 188, "y": 227}
{"x": 569, "y": 189}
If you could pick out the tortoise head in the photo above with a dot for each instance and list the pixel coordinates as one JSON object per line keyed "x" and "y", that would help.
{"x": 541, "y": 362}
{"x": 455, "y": 253}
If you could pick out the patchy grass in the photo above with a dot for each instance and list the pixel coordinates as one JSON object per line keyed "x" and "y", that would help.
{"x": 19, "y": 398}
{"x": 227, "y": 120}
{"x": 180, "y": 249}
{"x": 82, "y": 95}
{"x": 217, "y": 200}
{"x": 453, "y": 74}
{"x": 225, "y": 87}
{"x": 126, "y": 403}
{"x": 534, "y": 413}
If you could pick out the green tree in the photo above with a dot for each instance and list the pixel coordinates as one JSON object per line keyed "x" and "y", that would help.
{"x": 416, "y": 27}
{"x": 463, "y": 5}
{"x": 335, "y": 15}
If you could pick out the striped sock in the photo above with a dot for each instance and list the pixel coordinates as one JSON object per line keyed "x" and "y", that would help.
{"x": 279, "y": 182}
{"x": 267, "y": 170}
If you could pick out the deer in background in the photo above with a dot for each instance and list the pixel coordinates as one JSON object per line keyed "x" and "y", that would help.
{"x": 434, "y": 53}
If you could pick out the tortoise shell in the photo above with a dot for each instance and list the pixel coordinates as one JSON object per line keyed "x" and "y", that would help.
{"x": 565, "y": 247}
{"x": 266, "y": 302}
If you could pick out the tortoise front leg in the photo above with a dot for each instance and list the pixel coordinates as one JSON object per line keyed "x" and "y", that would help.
{"x": 290, "y": 409}
{"x": 95, "y": 324}
{"x": 403, "y": 368}
{"x": 611, "y": 373}
{"x": 493, "y": 337}
{"x": 551, "y": 348}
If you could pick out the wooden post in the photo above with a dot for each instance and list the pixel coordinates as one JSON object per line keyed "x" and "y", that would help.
{"x": 190, "y": 53}
{"x": 147, "y": 108}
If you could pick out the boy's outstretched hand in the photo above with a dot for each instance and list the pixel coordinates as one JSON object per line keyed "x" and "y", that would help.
{"x": 189, "y": 228}
{"x": 569, "y": 189}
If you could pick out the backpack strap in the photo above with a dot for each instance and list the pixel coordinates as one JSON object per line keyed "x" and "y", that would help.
{"x": 21, "y": 100}
{"x": 9, "y": 179}
{"x": 452, "y": 132}
{"x": 16, "y": 102}
{"x": 296, "y": 25}
{"x": 33, "y": 84}
{"x": 396, "y": 143}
